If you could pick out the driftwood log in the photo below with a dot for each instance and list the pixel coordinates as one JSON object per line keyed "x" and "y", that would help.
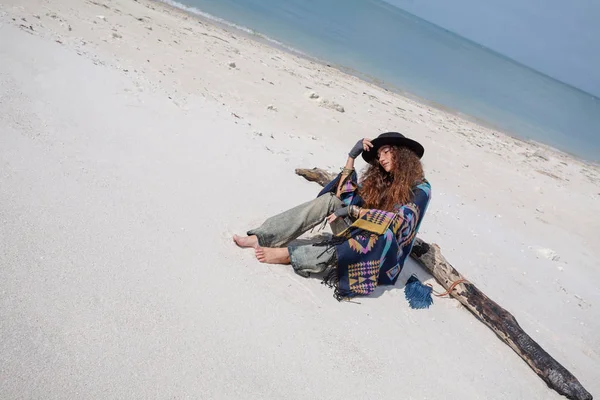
{"x": 499, "y": 320}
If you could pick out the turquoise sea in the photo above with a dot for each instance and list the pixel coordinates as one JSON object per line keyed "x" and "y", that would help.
{"x": 409, "y": 54}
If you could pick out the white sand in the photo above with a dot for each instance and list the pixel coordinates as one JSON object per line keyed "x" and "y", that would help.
{"x": 130, "y": 152}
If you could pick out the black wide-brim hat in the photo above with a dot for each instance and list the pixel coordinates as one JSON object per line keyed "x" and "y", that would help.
{"x": 392, "y": 139}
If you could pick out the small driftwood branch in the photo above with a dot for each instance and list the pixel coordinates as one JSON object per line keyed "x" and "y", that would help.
{"x": 499, "y": 320}
{"x": 316, "y": 175}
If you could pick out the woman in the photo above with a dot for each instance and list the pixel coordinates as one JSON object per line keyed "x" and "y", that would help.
{"x": 381, "y": 215}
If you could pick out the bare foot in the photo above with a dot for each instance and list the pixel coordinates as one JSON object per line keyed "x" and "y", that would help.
{"x": 270, "y": 255}
{"x": 246, "y": 241}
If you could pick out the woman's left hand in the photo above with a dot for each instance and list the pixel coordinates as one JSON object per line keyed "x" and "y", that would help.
{"x": 339, "y": 213}
{"x": 331, "y": 218}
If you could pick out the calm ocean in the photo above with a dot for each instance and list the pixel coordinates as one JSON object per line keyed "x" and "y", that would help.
{"x": 412, "y": 55}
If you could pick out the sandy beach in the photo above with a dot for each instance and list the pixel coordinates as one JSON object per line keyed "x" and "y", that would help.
{"x": 136, "y": 139}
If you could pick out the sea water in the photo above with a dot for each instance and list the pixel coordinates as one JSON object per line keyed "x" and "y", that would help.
{"x": 409, "y": 54}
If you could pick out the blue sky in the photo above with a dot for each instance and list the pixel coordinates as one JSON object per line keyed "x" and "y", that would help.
{"x": 560, "y": 38}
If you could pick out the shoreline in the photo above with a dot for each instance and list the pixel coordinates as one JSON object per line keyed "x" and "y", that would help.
{"x": 274, "y": 43}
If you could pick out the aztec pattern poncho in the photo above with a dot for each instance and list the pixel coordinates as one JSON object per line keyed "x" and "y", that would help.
{"x": 373, "y": 249}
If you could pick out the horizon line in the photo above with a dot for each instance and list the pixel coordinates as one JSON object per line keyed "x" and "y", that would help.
{"x": 501, "y": 55}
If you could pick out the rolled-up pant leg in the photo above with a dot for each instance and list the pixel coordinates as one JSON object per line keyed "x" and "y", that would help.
{"x": 309, "y": 258}
{"x": 280, "y": 229}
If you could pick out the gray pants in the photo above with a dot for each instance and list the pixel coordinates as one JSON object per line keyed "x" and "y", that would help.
{"x": 281, "y": 229}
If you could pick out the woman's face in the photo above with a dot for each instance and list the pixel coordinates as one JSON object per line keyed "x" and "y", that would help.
{"x": 384, "y": 156}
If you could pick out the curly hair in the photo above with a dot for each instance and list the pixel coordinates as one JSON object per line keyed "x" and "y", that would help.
{"x": 383, "y": 190}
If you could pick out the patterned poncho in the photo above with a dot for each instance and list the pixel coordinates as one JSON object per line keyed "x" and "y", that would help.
{"x": 373, "y": 249}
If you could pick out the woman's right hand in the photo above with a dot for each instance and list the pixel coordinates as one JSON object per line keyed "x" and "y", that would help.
{"x": 360, "y": 146}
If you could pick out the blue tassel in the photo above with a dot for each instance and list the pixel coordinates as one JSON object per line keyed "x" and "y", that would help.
{"x": 417, "y": 294}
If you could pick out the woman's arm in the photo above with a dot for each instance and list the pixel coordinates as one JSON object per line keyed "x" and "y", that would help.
{"x": 349, "y": 163}
{"x": 360, "y": 146}
{"x": 355, "y": 212}
{"x": 347, "y": 171}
